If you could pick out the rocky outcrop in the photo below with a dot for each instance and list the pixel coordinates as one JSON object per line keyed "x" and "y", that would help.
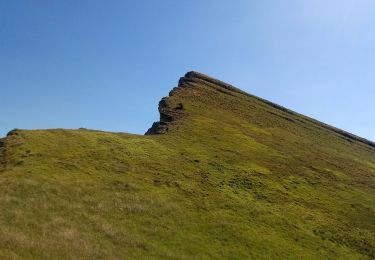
{"x": 169, "y": 114}
{"x": 3, "y": 147}
{"x": 2, "y": 153}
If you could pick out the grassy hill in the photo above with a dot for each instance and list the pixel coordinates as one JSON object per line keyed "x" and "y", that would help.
{"x": 223, "y": 174}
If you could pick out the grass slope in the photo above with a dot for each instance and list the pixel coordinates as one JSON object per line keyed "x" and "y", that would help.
{"x": 233, "y": 177}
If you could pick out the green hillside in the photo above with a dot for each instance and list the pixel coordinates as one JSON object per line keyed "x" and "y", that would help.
{"x": 223, "y": 175}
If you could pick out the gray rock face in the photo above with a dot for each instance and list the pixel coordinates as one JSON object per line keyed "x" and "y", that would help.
{"x": 157, "y": 128}
{"x": 2, "y": 150}
{"x": 168, "y": 114}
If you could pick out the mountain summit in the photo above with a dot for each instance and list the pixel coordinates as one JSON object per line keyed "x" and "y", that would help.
{"x": 222, "y": 174}
{"x": 193, "y": 78}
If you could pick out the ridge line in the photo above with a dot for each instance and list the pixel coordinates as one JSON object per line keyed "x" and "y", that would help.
{"x": 191, "y": 75}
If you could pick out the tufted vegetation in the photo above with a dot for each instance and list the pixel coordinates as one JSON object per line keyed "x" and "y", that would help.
{"x": 232, "y": 176}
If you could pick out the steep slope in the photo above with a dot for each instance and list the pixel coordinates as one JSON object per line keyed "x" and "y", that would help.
{"x": 223, "y": 174}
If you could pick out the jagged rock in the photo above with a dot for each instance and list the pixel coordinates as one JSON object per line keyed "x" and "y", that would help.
{"x": 157, "y": 128}
{"x": 13, "y": 132}
{"x": 170, "y": 114}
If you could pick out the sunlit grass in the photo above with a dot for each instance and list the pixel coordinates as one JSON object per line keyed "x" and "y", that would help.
{"x": 234, "y": 178}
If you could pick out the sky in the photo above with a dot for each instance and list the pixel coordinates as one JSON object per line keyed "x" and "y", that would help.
{"x": 106, "y": 64}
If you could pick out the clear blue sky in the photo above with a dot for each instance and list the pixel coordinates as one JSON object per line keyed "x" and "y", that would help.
{"x": 106, "y": 64}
